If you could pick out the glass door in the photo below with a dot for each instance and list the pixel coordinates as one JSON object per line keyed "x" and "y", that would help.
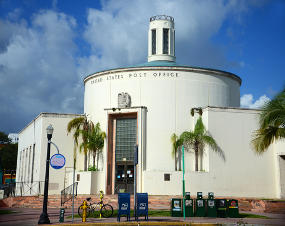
{"x": 126, "y": 136}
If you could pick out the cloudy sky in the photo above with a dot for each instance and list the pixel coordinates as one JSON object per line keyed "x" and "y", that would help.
{"x": 48, "y": 47}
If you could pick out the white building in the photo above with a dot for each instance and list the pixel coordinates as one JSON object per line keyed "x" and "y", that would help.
{"x": 144, "y": 105}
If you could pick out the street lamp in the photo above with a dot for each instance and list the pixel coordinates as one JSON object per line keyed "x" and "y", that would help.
{"x": 44, "y": 216}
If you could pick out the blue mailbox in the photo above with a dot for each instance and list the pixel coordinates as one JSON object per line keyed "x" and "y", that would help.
{"x": 124, "y": 205}
{"x": 142, "y": 205}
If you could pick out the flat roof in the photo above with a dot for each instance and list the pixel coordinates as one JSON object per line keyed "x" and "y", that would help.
{"x": 45, "y": 114}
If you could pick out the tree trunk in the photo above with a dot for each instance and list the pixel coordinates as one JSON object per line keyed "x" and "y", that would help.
{"x": 196, "y": 159}
{"x": 179, "y": 157}
{"x": 175, "y": 159}
{"x": 97, "y": 160}
{"x": 94, "y": 158}
{"x": 85, "y": 162}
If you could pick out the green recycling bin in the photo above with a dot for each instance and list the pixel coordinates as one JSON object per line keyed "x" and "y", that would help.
{"x": 211, "y": 205}
{"x": 233, "y": 208}
{"x": 222, "y": 207}
{"x": 61, "y": 215}
{"x": 200, "y": 208}
{"x": 188, "y": 205}
{"x": 176, "y": 207}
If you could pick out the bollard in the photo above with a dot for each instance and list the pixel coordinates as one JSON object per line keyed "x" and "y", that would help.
{"x": 84, "y": 208}
{"x": 61, "y": 215}
{"x": 101, "y": 201}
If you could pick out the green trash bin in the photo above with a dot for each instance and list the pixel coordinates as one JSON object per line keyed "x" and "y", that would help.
{"x": 176, "y": 207}
{"x": 61, "y": 215}
{"x": 200, "y": 209}
{"x": 188, "y": 205}
{"x": 221, "y": 208}
{"x": 211, "y": 205}
{"x": 233, "y": 208}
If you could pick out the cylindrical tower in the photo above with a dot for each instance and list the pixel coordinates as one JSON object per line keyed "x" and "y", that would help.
{"x": 161, "y": 38}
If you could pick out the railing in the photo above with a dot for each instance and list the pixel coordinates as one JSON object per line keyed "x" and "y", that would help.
{"x": 161, "y": 17}
{"x": 23, "y": 188}
{"x": 9, "y": 189}
{"x": 29, "y": 188}
{"x": 66, "y": 194}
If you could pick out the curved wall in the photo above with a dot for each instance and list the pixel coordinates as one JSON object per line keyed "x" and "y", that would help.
{"x": 168, "y": 93}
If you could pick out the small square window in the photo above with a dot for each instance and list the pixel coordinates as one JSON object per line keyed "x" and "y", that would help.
{"x": 166, "y": 177}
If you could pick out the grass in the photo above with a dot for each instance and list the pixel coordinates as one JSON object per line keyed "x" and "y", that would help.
{"x": 6, "y": 212}
{"x": 151, "y": 213}
{"x": 249, "y": 215}
{"x": 273, "y": 200}
{"x": 167, "y": 213}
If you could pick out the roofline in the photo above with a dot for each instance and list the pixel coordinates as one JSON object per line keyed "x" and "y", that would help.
{"x": 179, "y": 68}
{"x": 232, "y": 108}
{"x": 46, "y": 114}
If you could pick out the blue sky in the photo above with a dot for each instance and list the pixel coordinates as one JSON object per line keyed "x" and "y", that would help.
{"x": 48, "y": 47}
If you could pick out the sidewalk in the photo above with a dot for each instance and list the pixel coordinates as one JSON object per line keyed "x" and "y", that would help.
{"x": 27, "y": 216}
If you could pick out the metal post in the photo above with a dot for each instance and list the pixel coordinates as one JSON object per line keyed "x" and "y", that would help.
{"x": 183, "y": 183}
{"x": 73, "y": 182}
{"x": 135, "y": 187}
{"x": 44, "y": 216}
{"x": 135, "y": 177}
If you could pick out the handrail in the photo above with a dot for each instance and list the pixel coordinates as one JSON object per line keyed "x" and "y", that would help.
{"x": 66, "y": 194}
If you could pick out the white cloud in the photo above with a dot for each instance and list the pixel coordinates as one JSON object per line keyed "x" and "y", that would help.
{"x": 38, "y": 68}
{"x": 39, "y": 65}
{"x": 117, "y": 34}
{"x": 247, "y": 101}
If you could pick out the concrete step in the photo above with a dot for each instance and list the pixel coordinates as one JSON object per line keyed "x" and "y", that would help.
{"x": 155, "y": 202}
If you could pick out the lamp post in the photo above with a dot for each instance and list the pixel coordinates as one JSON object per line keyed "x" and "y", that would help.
{"x": 44, "y": 216}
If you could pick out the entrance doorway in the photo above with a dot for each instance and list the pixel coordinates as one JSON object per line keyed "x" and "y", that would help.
{"x": 122, "y": 139}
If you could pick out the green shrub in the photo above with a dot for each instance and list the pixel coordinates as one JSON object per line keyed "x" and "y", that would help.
{"x": 92, "y": 168}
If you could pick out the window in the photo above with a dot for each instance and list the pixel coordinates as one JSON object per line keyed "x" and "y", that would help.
{"x": 174, "y": 43}
{"x": 165, "y": 40}
{"x": 153, "y": 41}
{"x": 126, "y": 136}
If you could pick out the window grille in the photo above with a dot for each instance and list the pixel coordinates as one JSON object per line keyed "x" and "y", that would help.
{"x": 165, "y": 40}
{"x": 153, "y": 41}
{"x": 126, "y": 136}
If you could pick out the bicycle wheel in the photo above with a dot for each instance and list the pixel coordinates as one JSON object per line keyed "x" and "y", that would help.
{"x": 80, "y": 211}
{"x": 107, "y": 211}
{"x": 95, "y": 210}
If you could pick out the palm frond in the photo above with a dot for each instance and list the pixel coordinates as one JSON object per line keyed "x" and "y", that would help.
{"x": 271, "y": 123}
{"x": 210, "y": 141}
{"x": 75, "y": 124}
{"x": 199, "y": 127}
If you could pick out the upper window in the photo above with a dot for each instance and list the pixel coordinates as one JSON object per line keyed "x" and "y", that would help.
{"x": 165, "y": 40}
{"x": 153, "y": 41}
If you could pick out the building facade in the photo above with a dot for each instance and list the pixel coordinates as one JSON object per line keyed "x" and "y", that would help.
{"x": 145, "y": 104}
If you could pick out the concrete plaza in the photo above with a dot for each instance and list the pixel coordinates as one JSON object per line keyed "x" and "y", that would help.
{"x": 29, "y": 216}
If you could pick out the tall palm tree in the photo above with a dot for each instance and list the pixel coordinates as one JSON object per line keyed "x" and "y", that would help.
{"x": 95, "y": 141}
{"x": 197, "y": 140}
{"x": 271, "y": 123}
{"x": 80, "y": 126}
{"x": 176, "y": 144}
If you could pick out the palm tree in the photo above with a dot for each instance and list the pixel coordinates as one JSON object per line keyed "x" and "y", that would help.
{"x": 197, "y": 140}
{"x": 80, "y": 126}
{"x": 95, "y": 141}
{"x": 271, "y": 123}
{"x": 176, "y": 144}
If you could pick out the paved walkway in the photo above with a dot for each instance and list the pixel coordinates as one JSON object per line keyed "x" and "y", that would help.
{"x": 27, "y": 216}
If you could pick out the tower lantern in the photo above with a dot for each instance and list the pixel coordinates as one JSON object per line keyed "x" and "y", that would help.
{"x": 161, "y": 38}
